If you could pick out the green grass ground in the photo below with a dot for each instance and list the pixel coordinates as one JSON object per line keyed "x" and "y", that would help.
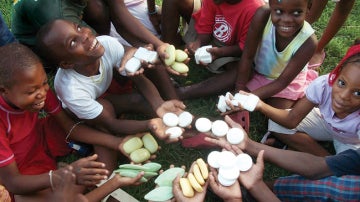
{"x": 175, "y": 154}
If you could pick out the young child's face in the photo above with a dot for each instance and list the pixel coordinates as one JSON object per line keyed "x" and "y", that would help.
{"x": 288, "y": 16}
{"x": 74, "y": 44}
{"x": 346, "y": 90}
{"x": 28, "y": 91}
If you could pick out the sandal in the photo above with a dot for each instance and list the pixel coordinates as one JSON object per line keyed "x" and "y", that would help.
{"x": 277, "y": 143}
{"x": 198, "y": 141}
{"x": 242, "y": 118}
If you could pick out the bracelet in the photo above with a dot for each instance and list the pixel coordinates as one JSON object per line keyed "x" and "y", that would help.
{"x": 154, "y": 12}
{"x": 51, "y": 180}
{"x": 72, "y": 128}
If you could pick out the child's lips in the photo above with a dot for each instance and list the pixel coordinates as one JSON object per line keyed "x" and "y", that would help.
{"x": 39, "y": 105}
{"x": 94, "y": 44}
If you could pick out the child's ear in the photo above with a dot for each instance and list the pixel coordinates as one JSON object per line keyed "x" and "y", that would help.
{"x": 66, "y": 65}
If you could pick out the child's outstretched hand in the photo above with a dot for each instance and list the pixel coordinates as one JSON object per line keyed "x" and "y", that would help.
{"x": 161, "y": 51}
{"x": 174, "y": 106}
{"x": 88, "y": 171}
{"x": 178, "y": 194}
{"x": 227, "y": 193}
{"x": 125, "y": 139}
{"x": 65, "y": 188}
{"x": 122, "y": 181}
{"x": 222, "y": 142}
{"x": 158, "y": 128}
{"x": 254, "y": 176}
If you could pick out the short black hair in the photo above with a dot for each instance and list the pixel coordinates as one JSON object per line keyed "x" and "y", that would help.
{"x": 43, "y": 48}
{"x": 15, "y": 57}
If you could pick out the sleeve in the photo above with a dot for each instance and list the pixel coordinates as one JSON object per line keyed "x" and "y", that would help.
{"x": 316, "y": 90}
{"x": 6, "y": 153}
{"x": 249, "y": 13}
{"x": 114, "y": 50}
{"x": 345, "y": 163}
{"x": 82, "y": 105}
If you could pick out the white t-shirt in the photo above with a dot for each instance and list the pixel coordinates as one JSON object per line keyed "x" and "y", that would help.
{"x": 78, "y": 92}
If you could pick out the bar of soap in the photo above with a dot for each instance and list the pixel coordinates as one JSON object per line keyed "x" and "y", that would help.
{"x": 132, "y": 65}
{"x": 203, "y": 125}
{"x": 170, "y": 119}
{"x": 219, "y": 128}
{"x": 235, "y": 135}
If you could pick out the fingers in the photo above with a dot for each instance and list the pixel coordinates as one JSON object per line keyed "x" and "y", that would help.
{"x": 260, "y": 159}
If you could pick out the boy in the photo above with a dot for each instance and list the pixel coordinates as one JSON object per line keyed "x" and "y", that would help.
{"x": 87, "y": 63}
{"x": 29, "y": 144}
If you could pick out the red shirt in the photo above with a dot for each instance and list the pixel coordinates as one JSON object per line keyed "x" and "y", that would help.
{"x": 22, "y": 137}
{"x": 227, "y": 23}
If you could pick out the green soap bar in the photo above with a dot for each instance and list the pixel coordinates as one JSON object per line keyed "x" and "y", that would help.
{"x": 140, "y": 155}
{"x": 163, "y": 193}
{"x": 150, "y": 143}
{"x": 166, "y": 178}
{"x": 132, "y": 174}
{"x": 132, "y": 144}
{"x": 152, "y": 166}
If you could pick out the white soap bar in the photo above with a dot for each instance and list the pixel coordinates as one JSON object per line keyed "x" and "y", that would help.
{"x": 174, "y": 132}
{"x": 219, "y": 128}
{"x": 185, "y": 119}
{"x": 235, "y": 136}
{"x": 201, "y": 55}
{"x": 225, "y": 182}
{"x": 244, "y": 162}
{"x": 203, "y": 125}
{"x": 221, "y": 105}
{"x": 226, "y": 159}
{"x": 230, "y": 173}
{"x": 248, "y": 102}
{"x": 146, "y": 55}
{"x": 170, "y": 119}
{"x": 213, "y": 158}
{"x": 251, "y": 102}
{"x": 132, "y": 65}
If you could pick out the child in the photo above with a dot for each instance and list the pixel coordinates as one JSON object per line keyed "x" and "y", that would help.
{"x": 86, "y": 70}
{"x": 223, "y": 24}
{"x": 331, "y": 178}
{"x": 29, "y": 144}
{"x": 330, "y": 110}
{"x": 278, "y": 46}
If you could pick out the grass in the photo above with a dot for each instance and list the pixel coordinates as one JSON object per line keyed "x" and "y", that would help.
{"x": 175, "y": 154}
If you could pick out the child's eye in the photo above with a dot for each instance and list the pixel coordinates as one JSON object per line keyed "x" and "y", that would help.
{"x": 277, "y": 11}
{"x": 79, "y": 28}
{"x": 357, "y": 93}
{"x": 341, "y": 83}
{"x": 297, "y": 13}
{"x": 72, "y": 43}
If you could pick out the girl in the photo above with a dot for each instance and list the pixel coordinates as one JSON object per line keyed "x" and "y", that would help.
{"x": 330, "y": 110}
{"x": 278, "y": 46}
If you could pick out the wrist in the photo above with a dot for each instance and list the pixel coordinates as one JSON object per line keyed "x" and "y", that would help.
{"x": 153, "y": 12}
{"x": 236, "y": 199}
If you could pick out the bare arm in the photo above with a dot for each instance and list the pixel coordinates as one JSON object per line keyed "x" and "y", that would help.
{"x": 253, "y": 39}
{"x": 83, "y": 133}
{"x": 289, "y": 119}
{"x": 122, "y": 19}
{"x": 22, "y": 184}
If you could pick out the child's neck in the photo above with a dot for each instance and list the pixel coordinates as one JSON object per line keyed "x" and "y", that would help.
{"x": 283, "y": 42}
{"x": 89, "y": 69}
